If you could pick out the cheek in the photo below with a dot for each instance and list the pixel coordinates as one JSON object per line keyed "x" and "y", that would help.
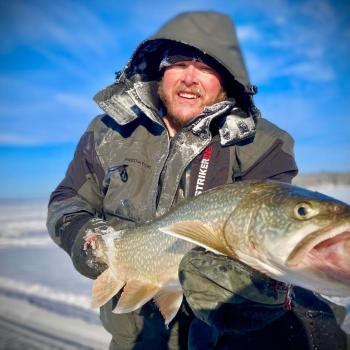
{"x": 211, "y": 84}
{"x": 169, "y": 80}
{"x": 213, "y": 87}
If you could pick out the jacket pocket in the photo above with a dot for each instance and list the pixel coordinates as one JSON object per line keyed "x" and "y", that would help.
{"x": 128, "y": 192}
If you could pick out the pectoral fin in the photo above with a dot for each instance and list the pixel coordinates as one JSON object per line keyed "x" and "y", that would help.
{"x": 199, "y": 233}
{"x": 104, "y": 288}
{"x": 169, "y": 303}
{"x": 135, "y": 294}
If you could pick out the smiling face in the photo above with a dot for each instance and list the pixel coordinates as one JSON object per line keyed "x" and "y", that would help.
{"x": 186, "y": 89}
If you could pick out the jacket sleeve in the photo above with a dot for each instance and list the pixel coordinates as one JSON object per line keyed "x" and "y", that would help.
{"x": 76, "y": 204}
{"x": 277, "y": 164}
{"x": 270, "y": 156}
{"x": 229, "y": 295}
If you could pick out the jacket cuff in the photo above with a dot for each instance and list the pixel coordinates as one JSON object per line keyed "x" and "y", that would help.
{"x": 68, "y": 229}
{"x": 84, "y": 260}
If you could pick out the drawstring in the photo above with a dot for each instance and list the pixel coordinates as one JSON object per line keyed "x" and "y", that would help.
{"x": 288, "y": 299}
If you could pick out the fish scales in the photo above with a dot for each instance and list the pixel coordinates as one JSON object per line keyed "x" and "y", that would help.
{"x": 153, "y": 254}
{"x": 154, "y": 243}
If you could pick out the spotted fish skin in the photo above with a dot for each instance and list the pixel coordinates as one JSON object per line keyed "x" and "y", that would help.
{"x": 289, "y": 233}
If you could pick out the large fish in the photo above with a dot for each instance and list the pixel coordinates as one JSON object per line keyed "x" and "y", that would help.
{"x": 289, "y": 233}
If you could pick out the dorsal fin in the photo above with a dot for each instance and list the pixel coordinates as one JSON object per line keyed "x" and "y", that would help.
{"x": 169, "y": 302}
{"x": 199, "y": 233}
{"x": 135, "y": 294}
{"x": 105, "y": 287}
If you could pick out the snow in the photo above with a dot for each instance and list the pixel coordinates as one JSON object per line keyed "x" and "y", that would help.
{"x": 44, "y": 302}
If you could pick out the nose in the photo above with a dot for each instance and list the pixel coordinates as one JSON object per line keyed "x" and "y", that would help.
{"x": 189, "y": 77}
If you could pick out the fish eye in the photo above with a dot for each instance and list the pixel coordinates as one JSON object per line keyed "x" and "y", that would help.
{"x": 303, "y": 211}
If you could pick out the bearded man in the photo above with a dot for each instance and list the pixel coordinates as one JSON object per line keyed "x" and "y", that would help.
{"x": 183, "y": 98}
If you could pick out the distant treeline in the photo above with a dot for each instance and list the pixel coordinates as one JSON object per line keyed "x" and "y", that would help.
{"x": 322, "y": 178}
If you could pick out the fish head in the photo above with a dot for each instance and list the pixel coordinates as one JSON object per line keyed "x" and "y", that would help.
{"x": 293, "y": 235}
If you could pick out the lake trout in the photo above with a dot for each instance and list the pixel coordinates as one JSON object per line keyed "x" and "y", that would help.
{"x": 291, "y": 234}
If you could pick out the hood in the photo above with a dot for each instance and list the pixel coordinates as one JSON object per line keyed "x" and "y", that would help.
{"x": 210, "y": 32}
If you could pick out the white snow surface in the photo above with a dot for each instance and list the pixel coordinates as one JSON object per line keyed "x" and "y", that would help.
{"x": 23, "y": 223}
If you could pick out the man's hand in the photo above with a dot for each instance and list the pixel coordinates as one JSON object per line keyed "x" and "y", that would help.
{"x": 91, "y": 241}
{"x": 229, "y": 295}
{"x": 87, "y": 258}
{"x": 83, "y": 254}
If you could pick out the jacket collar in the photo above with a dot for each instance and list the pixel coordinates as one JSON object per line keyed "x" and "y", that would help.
{"x": 234, "y": 124}
{"x": 126, "y": 102}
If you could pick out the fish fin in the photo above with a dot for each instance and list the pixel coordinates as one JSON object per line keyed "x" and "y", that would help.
{"x": 199, "y": 233}
{"x": 169, "y": 303}
{"x": 105, "y": 287}
{"x": 135, "y": 294}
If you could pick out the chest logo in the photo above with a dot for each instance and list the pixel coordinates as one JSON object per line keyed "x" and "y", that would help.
{"x": 203, "y": 169}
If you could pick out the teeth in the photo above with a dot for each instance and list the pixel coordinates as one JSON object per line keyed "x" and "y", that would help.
{"x": 187, "y": 95}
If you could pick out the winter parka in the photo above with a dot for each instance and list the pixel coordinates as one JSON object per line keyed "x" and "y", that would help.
{"x": 126, "y": 169}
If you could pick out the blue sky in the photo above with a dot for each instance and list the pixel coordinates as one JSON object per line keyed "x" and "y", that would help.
{"x": 56, "y": 55}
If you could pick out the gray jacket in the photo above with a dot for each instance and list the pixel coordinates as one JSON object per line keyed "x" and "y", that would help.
{"x": 127, "y": 170}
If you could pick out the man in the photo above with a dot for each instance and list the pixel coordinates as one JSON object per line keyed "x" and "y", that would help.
{"x": 178, "y": 121}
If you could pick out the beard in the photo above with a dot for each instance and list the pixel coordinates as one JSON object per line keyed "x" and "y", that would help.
{"x": 180, "y": 119}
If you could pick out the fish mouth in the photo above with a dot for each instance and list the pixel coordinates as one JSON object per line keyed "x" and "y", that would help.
{"x": 326, "y": 250}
